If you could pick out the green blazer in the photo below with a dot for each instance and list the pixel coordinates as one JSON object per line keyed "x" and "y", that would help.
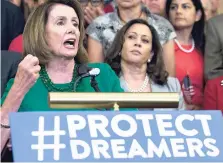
{"x": 37, "y": 97}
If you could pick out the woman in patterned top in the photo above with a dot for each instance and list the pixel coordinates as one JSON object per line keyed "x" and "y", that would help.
{"x": 156, "y": 7}
{"x": 104, "y": 28}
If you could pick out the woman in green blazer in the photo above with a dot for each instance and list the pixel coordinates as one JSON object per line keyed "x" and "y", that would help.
{"x": 53, "y": 48}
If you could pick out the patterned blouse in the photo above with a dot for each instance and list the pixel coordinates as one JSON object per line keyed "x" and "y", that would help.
{"x": 104, "y": 28}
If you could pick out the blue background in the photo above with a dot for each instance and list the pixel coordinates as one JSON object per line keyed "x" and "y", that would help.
{"x": 22, "y": 124}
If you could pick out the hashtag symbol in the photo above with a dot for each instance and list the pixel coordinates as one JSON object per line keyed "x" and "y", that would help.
{"x": 41, "y": 133}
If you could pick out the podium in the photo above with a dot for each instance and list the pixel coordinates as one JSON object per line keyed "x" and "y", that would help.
{"x": 113, "y": 100}
{"x": 116, "y": 136}
{"x": 111, "y": 136}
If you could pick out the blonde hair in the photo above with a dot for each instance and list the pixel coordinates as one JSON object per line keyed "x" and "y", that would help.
{"x": 34, "y": 41}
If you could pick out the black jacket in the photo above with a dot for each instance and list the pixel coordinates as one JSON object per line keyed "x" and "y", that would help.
{"x": 12, "y": 23}
{"x": 9, "y": 65}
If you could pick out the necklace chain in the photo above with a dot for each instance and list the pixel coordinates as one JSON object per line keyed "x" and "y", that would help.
{"x": 185, "y": 50}
{"x": 140, "y": 89}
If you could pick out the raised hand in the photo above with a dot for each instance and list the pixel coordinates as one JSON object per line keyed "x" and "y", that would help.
{"x": 90, "y": 13}
{"x": 27, "y": 73}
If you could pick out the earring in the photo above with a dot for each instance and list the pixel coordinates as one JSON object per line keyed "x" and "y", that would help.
{"x": 151, "y": 56}
{"x": 119, "y": 53}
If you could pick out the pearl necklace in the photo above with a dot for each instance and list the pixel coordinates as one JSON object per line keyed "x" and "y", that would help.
{"x": 185, "y": 50}
{"x": 143, "y": 86}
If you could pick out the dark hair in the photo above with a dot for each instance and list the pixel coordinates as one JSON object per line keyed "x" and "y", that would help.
{"x": 198, "y": 28}
{"x": 34, "y": 41}
{"x": 155, "y": 69}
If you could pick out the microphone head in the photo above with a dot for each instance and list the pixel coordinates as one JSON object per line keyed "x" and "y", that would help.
{"x": 83, "y": 69}
{"x": 94, "y": 72}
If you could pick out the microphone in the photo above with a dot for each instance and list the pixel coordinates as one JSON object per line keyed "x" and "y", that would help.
{"x": 85, "y": 71}
{"x": 94, "y": 72}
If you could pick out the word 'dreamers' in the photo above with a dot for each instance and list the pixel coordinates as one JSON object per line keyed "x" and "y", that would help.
{"x": 117, "y": 136}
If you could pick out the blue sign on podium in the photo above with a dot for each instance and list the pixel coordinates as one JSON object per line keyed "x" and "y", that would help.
{"x": 143, "y": 136}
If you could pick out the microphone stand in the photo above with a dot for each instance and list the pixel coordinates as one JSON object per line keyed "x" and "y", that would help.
{"x": 94, "y": 84}
{"x": 84, "y": 71}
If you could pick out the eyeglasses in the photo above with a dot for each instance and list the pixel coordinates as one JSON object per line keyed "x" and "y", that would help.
{"x": 94, "y": 3}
